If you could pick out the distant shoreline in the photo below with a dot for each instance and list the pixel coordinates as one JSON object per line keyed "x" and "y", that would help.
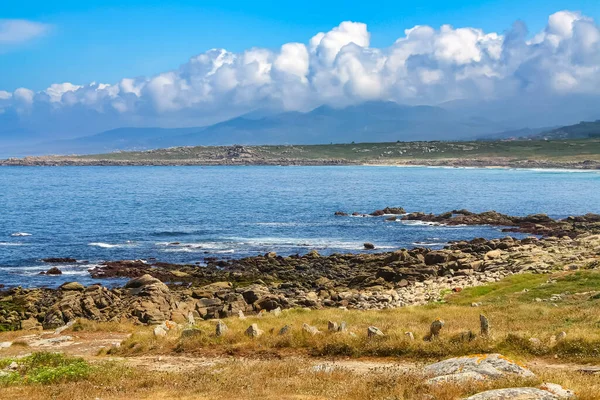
{"x": 586, "y": 165}
{"x": 559, "y": 154}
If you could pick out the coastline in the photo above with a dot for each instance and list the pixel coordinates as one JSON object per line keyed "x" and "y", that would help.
{"x": 471, "y": 163}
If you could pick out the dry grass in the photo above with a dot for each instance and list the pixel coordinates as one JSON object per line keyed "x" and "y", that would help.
{"x": 275, "y": 379}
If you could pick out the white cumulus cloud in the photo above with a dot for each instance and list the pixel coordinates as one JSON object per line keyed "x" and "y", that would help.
{"x": 425, "y": 65}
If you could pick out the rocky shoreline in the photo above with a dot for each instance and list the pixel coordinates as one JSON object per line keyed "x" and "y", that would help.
{"x": 496, "y": 162}
{"x": 159, "y": 292}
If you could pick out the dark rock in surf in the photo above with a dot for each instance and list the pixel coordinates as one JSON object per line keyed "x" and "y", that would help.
{"x": 54, "y": 271}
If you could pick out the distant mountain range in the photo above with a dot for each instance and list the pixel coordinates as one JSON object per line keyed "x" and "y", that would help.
{"x": 367, "y": 122}
{"x": 371, "y": 121}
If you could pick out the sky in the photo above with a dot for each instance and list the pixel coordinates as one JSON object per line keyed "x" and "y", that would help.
{"x": 105, "y": 40}
{"x": 70, "y": 68}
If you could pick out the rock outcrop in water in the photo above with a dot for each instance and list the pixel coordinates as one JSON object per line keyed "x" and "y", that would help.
{"x": 535, "y": 224}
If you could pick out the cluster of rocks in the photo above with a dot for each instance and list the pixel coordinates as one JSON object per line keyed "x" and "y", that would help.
{"x": 355, "y": 281}
{"x": 536, "y": 224}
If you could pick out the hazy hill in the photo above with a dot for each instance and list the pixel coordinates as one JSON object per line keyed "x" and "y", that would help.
{"x": 582, "y": 130}
{"x": 367, "y": 122}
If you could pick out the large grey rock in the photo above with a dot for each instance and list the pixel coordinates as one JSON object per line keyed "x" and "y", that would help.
{"x": 524, "y": 393}
{"x": 487, "y": 365}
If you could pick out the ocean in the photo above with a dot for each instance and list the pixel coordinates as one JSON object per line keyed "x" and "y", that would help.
{"x": 185, "y": 214}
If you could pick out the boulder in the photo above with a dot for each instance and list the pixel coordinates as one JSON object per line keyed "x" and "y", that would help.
{"x": 72, "y": 286}
{"x": 369, "y": 246}
{"x": 524, "y": 393}
{"x": 146, "y": 281}
{"x": 436, "y": 257}
{"x": 254, "y": 292}
{"x": 54, "y": 271}
{"x": 487, "y": 365}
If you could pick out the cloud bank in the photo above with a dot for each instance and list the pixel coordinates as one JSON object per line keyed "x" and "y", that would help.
{"x": 424, "y": 66}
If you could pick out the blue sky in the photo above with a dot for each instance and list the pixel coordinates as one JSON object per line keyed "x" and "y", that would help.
{"x": 104, "y": 41}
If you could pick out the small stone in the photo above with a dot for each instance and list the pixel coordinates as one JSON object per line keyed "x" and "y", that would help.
{"x": 561, "y": 336}
{"x": 241, "y": 315}
{"x": 410, "y": 335}
{"x": 484, "y": 325}
{"x": 434, "y": 330}
{"x": 190, "y": 333}
{"x": 160, "y": 331}
{"x": 286, "y": 329}
{"x": 535, "y": 342}
{"x": 276, "y": 312}
{"x": 373, "y": 331}
{"x": 342, "y": 327}
{"x": 221, "y": 328}
{"x": 253, "y": 331}
{"x": 310, "y": 329}
{"x": 332, "y": 326}
{"x": 191, "y": 319}
{"x": 475, "y": 304}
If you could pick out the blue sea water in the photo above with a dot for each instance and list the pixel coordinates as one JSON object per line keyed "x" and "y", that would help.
{"x": 114, "y": 213}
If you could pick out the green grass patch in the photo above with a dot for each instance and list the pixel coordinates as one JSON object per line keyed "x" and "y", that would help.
{"x": 45, "y": 368}
{"x": 528, "y": 287}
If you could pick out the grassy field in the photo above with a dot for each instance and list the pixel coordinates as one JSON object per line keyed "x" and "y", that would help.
{"x": 274, "y": 366}
{"x": 576, "y": 150}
